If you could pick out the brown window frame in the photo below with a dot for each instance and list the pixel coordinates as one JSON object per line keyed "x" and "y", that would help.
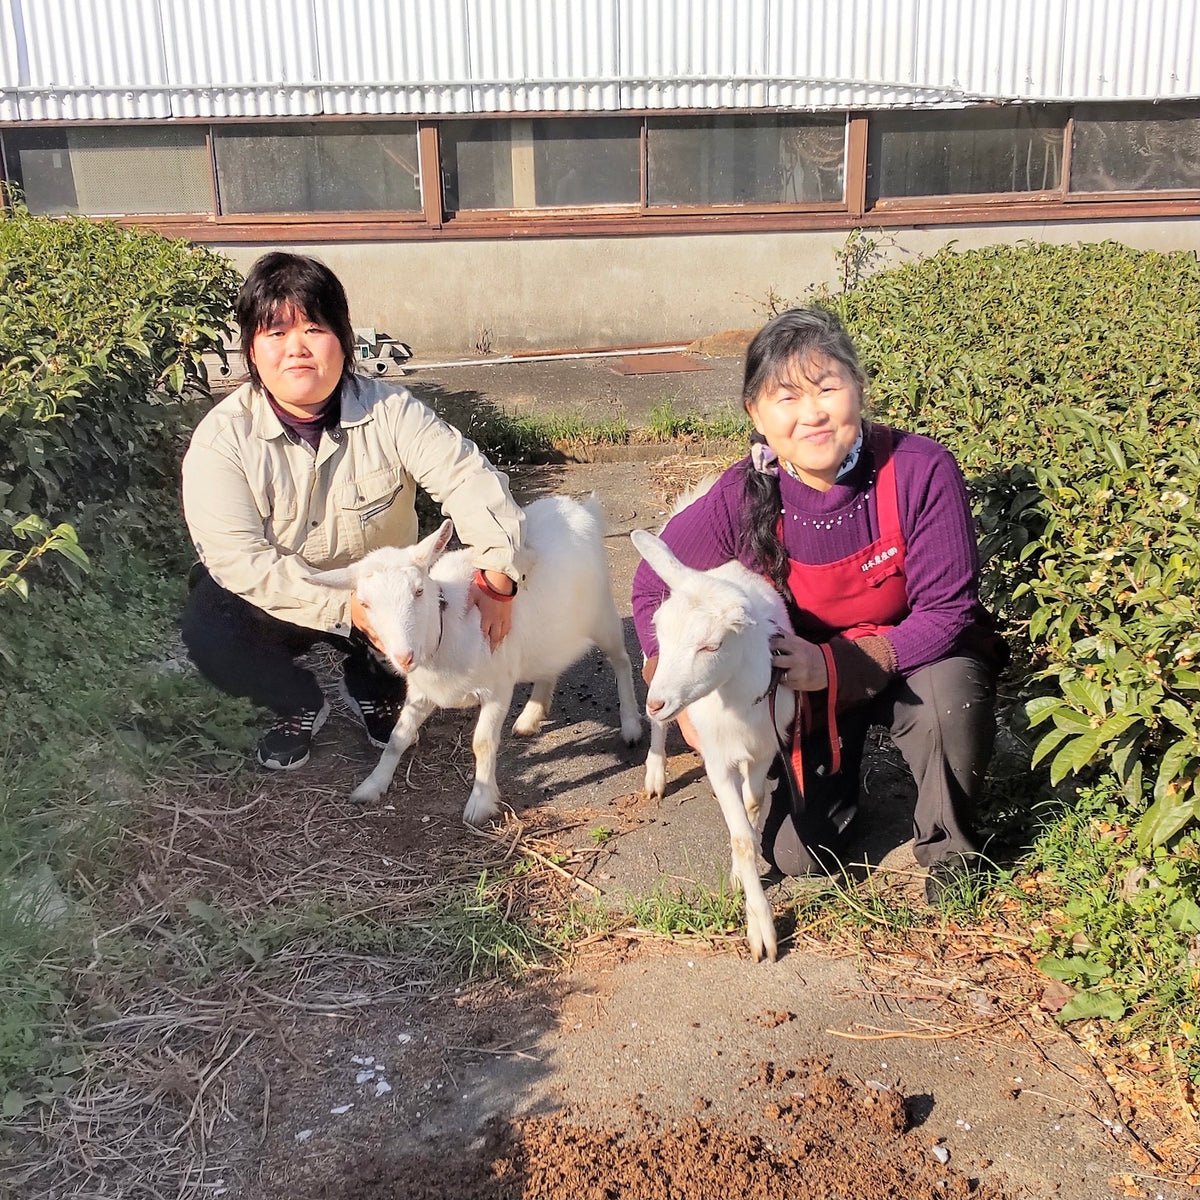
{"x": 431, "y": 221}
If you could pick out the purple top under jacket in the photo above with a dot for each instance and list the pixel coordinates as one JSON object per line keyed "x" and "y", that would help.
{"x": 942, "y": 559}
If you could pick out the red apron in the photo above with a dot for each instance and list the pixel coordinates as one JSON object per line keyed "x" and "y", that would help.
{"x": 862, "y": 594}
{"x": 865, "y": 592}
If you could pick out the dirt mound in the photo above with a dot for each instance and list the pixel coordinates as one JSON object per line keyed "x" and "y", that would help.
{"x": 819, "y": 1136}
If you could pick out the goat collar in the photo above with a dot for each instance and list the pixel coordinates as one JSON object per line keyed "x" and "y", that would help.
{"x": 441, "y": 618}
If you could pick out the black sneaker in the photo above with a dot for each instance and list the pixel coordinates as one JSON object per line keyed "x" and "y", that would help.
{"x": 376, "y": 714}
{"x": 285, "y": 746}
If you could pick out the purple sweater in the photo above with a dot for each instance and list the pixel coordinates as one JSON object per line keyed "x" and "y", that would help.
{"x": 941, "y": 564}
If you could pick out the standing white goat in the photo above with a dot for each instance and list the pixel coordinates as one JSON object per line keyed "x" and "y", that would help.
{"x": 417, "y": 599}
{"x": 714, "y": 633}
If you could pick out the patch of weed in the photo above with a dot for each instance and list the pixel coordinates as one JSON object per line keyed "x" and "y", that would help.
{"x": 666, "y": 423}
{"x": 699, "y": 911}
{"x": 473, "y": 933}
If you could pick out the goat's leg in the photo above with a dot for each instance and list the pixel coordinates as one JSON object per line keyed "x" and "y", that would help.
{"x": 655, "y": 785}
{"x": 610, "y": 637}
{"x": 760, "y": 923}
{"x": 536, "y": 710}
{"x": 754, "y": 789}
{"x": 484, "y": 802}
{"x": 413, "y": 715}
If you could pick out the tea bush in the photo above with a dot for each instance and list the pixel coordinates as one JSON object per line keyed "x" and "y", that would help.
{"x": 103, "y": 329}
{"x": 1065, "y": 379}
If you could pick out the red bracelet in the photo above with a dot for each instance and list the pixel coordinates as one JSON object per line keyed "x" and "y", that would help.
{"x": 481, "y": 582}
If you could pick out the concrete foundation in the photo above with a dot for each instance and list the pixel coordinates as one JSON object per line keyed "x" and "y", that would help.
{"x": 463, "y": 298}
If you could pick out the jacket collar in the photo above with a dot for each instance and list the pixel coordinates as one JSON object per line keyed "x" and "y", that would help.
{"x": 266, "y": 425}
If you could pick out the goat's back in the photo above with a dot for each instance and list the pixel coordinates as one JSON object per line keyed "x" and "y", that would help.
{"x": 565, "y": 598}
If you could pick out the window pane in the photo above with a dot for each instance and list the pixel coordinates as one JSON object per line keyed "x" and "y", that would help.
{"x": 107, "y": 172}
{"x": 351, "y": 166}
{"x": 565, "y": 162}
{"x": 1136, "y": 147}
{"x": 962, "y": 153}
{"x": 745, "y": 160}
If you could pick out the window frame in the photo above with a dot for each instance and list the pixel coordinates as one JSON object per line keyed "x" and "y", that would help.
{"x": 431, "y": 220}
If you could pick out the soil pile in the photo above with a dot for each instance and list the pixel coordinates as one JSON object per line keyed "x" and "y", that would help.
{"x": 818, "y": 1138}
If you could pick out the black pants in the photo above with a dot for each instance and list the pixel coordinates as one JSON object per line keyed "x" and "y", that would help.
{"x": 245, "y": 651}
{"x": 942, "y": 719}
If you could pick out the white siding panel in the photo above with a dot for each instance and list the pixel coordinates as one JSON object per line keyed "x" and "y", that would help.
{"x": 1148, "y": 50}
{"x": 536, "y": 55}
{"x": 11, "y": 49}
{"x": 693, "y": 53}
{"x": 1003, "y": 51}
{"x": 148, "y": 59}
{"x": 242, "y": 58}
{"x": 393, "y": 56}
{"x": 858, "y": 53}
{"x": 93, "y": 59}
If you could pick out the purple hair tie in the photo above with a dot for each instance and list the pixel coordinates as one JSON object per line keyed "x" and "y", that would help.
{"x": 763, "y": 458}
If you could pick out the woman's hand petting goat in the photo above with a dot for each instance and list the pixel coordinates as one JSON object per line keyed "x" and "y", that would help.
{"x": 866, "y": 534}
{"x": 418, "y": 599}
{"x": 309, "y": 467}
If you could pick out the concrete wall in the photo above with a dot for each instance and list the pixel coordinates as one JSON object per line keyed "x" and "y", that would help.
{"x": 448, "y": 298}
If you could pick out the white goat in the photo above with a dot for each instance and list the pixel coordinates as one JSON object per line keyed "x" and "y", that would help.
{"x": 714, "y": 633}
{"x": 417, "y": 600}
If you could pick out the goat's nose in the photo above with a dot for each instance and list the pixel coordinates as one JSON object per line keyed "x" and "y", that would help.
{"x": 405, "y": 662}
{"x": 654, "y": 706}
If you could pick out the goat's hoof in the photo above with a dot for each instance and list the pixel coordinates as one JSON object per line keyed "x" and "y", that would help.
{"x": 655, "y": 785}
{"x": 365, "y": 795}
{"x": 631, "y": 730}
{"x": 481, "y": 808}
{"x": 525, "y": 727}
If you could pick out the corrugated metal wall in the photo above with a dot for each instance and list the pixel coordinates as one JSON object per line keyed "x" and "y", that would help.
{"x": 145, "y": 59}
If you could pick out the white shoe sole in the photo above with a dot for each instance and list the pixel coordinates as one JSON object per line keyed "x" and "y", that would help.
{"x": 271, "y": 765}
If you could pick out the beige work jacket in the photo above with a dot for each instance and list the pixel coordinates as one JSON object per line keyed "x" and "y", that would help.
{"x": 266, "y": 513}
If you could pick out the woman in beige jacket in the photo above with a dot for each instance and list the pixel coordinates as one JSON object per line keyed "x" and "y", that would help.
{"x": 309, "y": 466}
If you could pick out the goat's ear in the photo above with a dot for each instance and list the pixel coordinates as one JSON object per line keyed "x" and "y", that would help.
{"x": 656, "y": 552}
{"x": 738, "y": 618}
{"x": 429, "y": 549}
{"x": 342, "y": 579}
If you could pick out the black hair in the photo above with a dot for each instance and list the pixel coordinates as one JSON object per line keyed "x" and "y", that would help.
{"x": 783, "y": 345}
{"x": 279, "y": 282}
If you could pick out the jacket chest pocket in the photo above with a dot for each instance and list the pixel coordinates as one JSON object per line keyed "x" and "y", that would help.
{"x": 369, "y": 498}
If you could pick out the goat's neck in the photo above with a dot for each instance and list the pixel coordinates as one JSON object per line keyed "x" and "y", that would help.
{"x": 455, "y": 629}
{"x": 744, "y": 688}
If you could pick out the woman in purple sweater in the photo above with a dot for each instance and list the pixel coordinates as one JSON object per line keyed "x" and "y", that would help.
{"x": 867, "y": 533}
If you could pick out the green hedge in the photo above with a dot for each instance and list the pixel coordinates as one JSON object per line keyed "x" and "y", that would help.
{"x": 102, "y": 329}
{"x": 1065, "y": 380}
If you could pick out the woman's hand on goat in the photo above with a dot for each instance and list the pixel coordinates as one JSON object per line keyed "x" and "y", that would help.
{"x": 801, "y": 661}
{"x": 495, "y": 616}
{"x": 362, "y": 622}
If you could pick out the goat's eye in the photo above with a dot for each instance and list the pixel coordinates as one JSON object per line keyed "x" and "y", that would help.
{"x": 710, "y": 649}
{"x": 419, "y": 592}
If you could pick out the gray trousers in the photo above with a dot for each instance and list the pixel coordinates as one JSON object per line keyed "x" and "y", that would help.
{"x": 942, "y": 719}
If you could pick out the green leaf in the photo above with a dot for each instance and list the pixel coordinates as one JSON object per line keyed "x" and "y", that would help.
{"x": 1164, "y": 819}
{"x": 1171, "y": 765}
{"x": 205, "y": 913}
{"x": 1072, "y": 969}
{"x": 1040, "y": 707}
{"x": 1087, "y": 694}
{"x": 1076, "y": 755}
{"x": 1048, "y": 744}
{"x": 1184, "y": 916}
{"x": 1088, "y": 1005}
{"x": 14, "y": 1104}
